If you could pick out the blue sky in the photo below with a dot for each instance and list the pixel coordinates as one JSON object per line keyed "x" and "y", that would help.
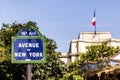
{"x": 63, "y": 20}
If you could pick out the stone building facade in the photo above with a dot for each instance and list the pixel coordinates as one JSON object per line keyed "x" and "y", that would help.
{"x": 87, "y": 39}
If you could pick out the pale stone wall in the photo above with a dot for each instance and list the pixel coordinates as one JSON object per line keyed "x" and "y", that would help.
{"x": 73, "y": 47}
{"x": 87, "y": 39}
{"x": 64, "y": 59}
{"x": 82, "y": 46}
{"x": 90, "y": 35}
{"x": 115, "y": 42}
{"x": 73, "y": 58}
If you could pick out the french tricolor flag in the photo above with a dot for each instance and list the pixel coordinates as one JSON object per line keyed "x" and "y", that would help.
{"x": 94, "y": 19}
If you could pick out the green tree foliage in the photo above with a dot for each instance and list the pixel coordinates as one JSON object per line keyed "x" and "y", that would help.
{"x": 98, "y": 52}
{"x": 72, "y": 72}
{"x": 93, "y": 53}
{"x": 52, "y": 69}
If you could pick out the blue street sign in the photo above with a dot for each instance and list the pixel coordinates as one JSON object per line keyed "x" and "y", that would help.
{"x": 28, "y": 47}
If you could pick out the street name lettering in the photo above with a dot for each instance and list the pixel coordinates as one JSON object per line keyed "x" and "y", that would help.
{"x": 28, "y": 45}
{"x": 31, "y": 54}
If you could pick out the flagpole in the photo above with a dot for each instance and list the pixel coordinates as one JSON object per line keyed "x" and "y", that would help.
{"x": 95, "y": 30}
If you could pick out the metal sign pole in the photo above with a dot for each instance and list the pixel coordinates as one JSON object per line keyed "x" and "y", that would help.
{"x": 28, "y": 71}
